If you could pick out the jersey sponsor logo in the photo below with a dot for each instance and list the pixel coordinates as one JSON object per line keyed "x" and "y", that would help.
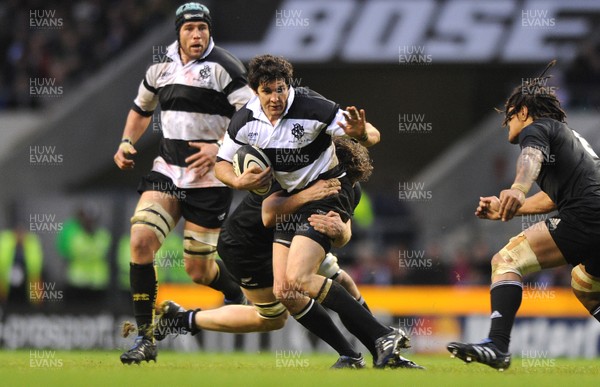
{"x": 509, "y": 31}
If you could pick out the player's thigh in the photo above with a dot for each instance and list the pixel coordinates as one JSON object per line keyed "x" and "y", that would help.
{"x": 304, "y": 258}
{"x": 280, "y": 257}
{"x": 543, "y": 246}
{"x": 260, "y": 296}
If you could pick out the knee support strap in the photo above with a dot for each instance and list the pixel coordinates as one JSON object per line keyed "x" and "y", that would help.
{"x": 583, "y": 282}
{"x": 517, "y": 257}
{"x": 155, "y": 217}
{"x": 200, "y": 244}
{"x": 329, "y": 267}
{"x": 271, "y": 310}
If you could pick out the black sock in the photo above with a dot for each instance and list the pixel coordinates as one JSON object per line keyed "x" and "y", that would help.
{"x": 224, "y": 283}
{"x": 361, "y": 322}
{"x": 144, "y": 286}
{"x": 315, "y": 318}
{"x": 596, "y": 313}
{"x": 188, "y": 321}
{"x": 505, "y": 300}
{"x": 362, "y": 301}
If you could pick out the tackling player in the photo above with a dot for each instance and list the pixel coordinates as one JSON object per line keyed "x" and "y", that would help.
{"x": 282, "y": 120}
{"x": 199, "y": 87}
{"x": 568, "y": 172}
{"x": 245, "y": 245}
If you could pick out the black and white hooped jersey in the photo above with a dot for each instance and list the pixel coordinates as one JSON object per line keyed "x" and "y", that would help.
{"x": 197, "y": 101}
{"x": 299, "y": 145}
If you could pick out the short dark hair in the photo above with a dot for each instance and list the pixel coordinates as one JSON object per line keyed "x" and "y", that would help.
{"x": 354, "y": 158}
{"x": 540, "y": 99}
{"x": 267, "y": 68}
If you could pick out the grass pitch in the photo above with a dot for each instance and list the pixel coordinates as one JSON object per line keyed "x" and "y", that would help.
{"x": 103, "y": 368}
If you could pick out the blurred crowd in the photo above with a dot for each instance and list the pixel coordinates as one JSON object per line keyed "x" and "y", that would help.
{"x": 65, "y": 42}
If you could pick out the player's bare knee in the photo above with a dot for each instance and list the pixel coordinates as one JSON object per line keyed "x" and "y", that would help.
{"x": 198, "y": 271}
{"x": 268, "y": 325}
{"x": 144, "y": 245}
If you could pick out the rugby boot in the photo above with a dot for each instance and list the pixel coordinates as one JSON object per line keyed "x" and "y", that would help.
{"x": 485, "y": 353}
{"x": 349, "y": 362}
{"x": 143, "y": 349}
{"x": 387, "y": 346}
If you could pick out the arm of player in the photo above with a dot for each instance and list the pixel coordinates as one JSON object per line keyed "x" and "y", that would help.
{"x": 279, "y": 204}
{"x": 135, "y": 126}
{"x": 540, "y": 203}
{"x": 357, "y": 127}
{"x": 332, "y": 225}
{"x": 252, "y": 178}
{"x": 529, "y": 164}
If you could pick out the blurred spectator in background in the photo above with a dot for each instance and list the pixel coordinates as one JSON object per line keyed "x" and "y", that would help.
{"x": 583, "y": 76}
{"x": 85, "y": 246}
{"x": 21, "y": 263}
{"x": 65, "y": 42}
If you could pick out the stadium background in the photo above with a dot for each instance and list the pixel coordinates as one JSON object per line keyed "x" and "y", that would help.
{"x": 428, "y": 74}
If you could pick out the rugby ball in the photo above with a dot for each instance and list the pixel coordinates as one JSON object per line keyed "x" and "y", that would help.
{"x": 248, "y": 156}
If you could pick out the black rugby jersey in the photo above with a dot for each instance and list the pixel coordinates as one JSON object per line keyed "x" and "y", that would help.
{"x": 570, "y": 173}
{"x": 244, "y": 226}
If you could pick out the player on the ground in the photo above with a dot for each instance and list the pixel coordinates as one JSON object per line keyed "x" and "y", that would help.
{"x": 568, "y": 172}
{"x": 283, "y": 120}
{"x": 245, "y": 245}
{"x": 199, "y": 87}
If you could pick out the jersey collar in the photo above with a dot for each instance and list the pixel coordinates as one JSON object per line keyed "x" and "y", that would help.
{"x": 257, "y": 112}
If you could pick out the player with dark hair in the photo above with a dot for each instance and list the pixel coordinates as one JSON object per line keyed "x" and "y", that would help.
{"x": 245, "y": 245}
{"x": 199, "y": 87}
{"x": 568, "y": 172}
{"x": 283, "y": 120}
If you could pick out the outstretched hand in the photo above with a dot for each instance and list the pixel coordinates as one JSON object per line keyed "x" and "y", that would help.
{"x": 356, "y": 122}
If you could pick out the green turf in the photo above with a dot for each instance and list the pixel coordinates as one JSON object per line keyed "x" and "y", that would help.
{"x": 102, "y": 368}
